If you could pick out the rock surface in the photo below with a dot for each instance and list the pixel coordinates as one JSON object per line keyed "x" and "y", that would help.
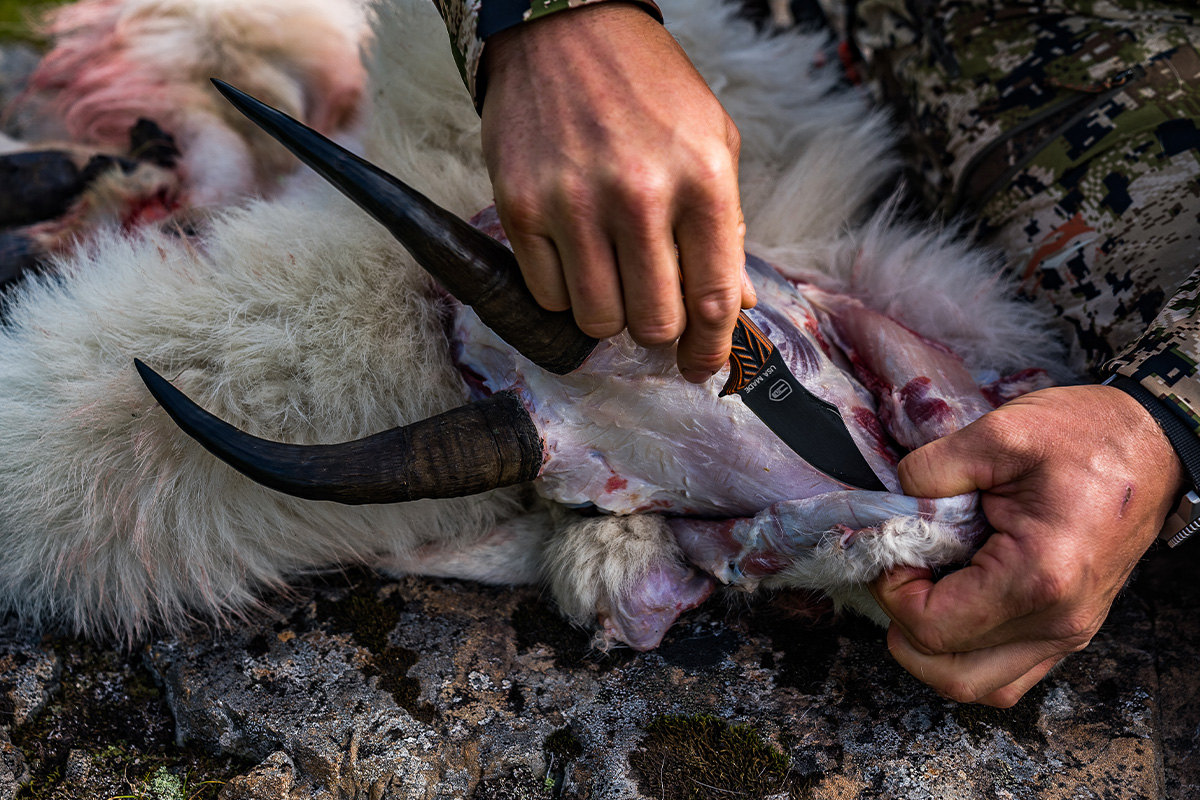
{"x": 360, "y": 687}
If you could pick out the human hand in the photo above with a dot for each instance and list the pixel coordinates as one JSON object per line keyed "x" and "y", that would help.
{"x": 606, "y": 150}
{"x": 1076, "y": 481}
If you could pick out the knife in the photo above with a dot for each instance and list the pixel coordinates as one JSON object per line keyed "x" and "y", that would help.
{"x": 812, "y": 427}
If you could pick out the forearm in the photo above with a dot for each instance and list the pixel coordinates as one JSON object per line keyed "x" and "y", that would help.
{"x": 469, "y": 24}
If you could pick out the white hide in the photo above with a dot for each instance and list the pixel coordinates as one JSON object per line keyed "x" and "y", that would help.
{"x": 114, "y": 61}
{"x": 300, "y": 320}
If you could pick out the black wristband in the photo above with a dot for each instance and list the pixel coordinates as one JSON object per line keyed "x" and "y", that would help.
{"x": 1179, "y": 434}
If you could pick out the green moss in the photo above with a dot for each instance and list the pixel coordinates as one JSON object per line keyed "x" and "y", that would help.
{"x": 563, "y": 745}
{"x": 107, "y": 706}
{"x": 41, "y": 786}
{"x": 168, "y": 786}
{"x": 704, "y": 758}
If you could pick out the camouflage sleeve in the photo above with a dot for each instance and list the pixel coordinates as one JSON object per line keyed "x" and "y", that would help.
{"x": 470, "y": 22}
{"x": 1164, "y": 360}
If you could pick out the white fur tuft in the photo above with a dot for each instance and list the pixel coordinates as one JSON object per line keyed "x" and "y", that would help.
{"x": 591, "y": 562}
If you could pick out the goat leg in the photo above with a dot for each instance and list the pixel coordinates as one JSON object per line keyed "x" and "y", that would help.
{"x": 839, "y": 537}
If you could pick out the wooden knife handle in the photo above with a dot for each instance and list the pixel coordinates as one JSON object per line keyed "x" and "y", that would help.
{"x": 751, "y": 349}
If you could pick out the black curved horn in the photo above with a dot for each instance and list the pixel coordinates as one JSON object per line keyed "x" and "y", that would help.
{"x": 464, "y": 451}
{"x": 473, "y": 267}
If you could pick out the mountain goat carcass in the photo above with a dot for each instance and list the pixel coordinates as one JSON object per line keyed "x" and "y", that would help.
{"x": 298, "y": 320}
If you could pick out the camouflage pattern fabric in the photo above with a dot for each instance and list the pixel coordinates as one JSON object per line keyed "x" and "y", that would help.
{"x": 1067, "y": 132}
{"x": 470, "y": 22}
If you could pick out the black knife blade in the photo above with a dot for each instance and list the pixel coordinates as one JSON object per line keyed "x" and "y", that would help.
{"x": 812, "y": 427}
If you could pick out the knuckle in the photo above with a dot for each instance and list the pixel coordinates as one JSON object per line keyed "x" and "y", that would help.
{"x": 960, "y": 691}
{"x": 574, "y": 193}
{"x": 999, "y": 429}
{"x": 713, "y": 307}
{"x": 656, "y": 331}
{"x": 713, "y": 170}
{"x": 1050, "y": 586}
{"x": 644, "y": 193}
{"x": 597, "y": 303}
{"x": 914, "y": 463}
{"x": 520, "y": 208}
{"x": 549, "y": 299}
{"x": 600, "y": 323}
{"x": 1074, "y": 631}
{"x": 1010, "y": 435}
{"x": 1004, "y": 698}
{"x": 927, "y": 639}
{"x": 733, "y": 137}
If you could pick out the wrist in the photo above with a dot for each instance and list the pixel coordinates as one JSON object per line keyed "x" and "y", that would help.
{"x": 547, "y": 39}
{"x": 1184, "y": 443}
{"x": 1184, "y": 446}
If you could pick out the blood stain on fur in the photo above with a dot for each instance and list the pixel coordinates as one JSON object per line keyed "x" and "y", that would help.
{"x": 370, "y": 622}
{"x": 107, "y": 731}
{"x": 704, "y": 758}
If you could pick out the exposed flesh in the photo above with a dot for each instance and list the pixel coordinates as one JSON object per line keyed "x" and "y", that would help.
{"x": 626, "y": 434}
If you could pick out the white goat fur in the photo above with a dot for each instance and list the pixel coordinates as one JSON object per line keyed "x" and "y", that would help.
{"x": 299, "y": 319}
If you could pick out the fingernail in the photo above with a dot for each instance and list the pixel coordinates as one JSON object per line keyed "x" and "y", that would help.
{"x": 696, "y": 375}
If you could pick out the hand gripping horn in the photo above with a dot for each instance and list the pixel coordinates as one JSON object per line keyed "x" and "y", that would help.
{"x": 474, "y": 267}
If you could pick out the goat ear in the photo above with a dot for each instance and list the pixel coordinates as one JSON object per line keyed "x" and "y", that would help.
{"x": 476, "y": 269}
{"x": 464, "y": 451}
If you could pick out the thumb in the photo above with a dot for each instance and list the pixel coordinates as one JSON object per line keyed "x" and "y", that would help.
{"x": 943, "y": 468}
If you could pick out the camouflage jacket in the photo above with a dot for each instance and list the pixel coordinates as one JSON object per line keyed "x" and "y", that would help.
{"x": 1068, "y": 131}
{"x": 470, "y": 22}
